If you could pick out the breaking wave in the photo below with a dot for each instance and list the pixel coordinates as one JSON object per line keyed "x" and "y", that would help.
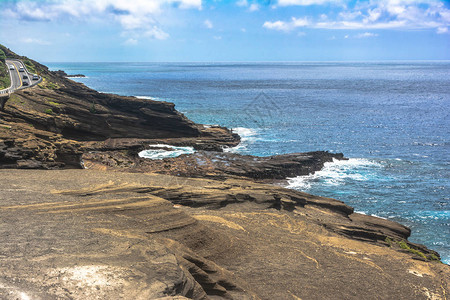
{"x": 248, "y": 136}
{"x": 335, "y": 173}
{"x": 165, "y": 151}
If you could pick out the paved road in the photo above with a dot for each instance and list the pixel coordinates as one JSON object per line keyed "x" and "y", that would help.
{"x": 18, "y": 78}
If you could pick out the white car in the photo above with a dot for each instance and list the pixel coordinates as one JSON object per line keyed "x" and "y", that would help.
{"x": 35, "y": 77}
{"x": 11, "y": 67}
{"x": 21, "y": 69}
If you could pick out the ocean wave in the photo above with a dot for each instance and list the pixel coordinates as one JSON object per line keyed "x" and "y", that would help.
{"x": 161, "y": 152}
{"x": 150, "y": 98}
{"x": 335, "y": 173}
{"x": 248, "y": 136}
{"x": 77, "y": 77}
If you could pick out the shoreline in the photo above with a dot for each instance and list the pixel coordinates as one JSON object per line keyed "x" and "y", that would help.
{"x": 192, "y": 218}
{"x": 91, "y": 218}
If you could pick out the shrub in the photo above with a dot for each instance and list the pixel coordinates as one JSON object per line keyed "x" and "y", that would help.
{"x": 49, "y": 111}
{"x": 2, "y": 56}
{"x": 388, "y": 241}
{"x": 30, "y": 66}
{"x": 405, "y": 246}
{"x": 92, "y": 108}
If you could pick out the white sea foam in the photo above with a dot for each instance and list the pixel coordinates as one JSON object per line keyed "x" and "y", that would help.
{"x": 335, "y": 173}
{"x": 150, "y": 98}
{"x": 163, "y": 153}
{"x": 248, "y": 136}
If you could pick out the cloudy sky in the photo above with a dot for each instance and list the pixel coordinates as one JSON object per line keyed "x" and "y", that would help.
{"x": 223, "y": 30}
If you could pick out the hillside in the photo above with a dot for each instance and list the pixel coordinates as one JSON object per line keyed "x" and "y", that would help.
{"x": 53, "y": 121}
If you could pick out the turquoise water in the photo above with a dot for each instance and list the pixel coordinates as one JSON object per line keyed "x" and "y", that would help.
{"x": 390, "y": 118}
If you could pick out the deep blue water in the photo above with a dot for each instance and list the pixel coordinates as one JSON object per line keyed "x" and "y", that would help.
{"x": 390, "y": 118}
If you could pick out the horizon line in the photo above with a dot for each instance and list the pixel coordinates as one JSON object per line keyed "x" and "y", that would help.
{"x": 266, "y": 61}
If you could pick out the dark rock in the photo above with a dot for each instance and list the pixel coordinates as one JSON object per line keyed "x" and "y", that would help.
{"x": 216, "y": 164}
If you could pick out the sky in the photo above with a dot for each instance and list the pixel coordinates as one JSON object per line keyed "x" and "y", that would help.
{"x": 225, "y": 30}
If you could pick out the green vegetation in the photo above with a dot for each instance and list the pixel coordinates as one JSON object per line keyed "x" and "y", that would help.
{"x": 5, "y": 80}
{"x": 49, "y": 111}
{"x": 2, "y": 56}
{"x": 433, "y": 257}
{"x": 92, "y": 108}
{"x": 388, "y": 241}
{"x": 404, "y": 245}
{"x": 45, "y": 84}
{"x": 54, "y": 103}
{"x": 30, "y": 66}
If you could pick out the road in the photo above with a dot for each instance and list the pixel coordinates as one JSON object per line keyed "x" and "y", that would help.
{"x": 18, "y": 78}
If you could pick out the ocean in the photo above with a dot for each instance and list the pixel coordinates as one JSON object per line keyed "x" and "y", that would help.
{"x": 390, "y": 118}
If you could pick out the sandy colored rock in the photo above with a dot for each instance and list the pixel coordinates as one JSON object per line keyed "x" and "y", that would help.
{"x": 152, "y": 236}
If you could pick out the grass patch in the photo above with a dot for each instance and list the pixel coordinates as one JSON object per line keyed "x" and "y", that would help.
{"x": 5, "y": 80}
{"x": 45, "y": 84}
{"x": 388, "y": 241}
{"x": 92, "y": 108}
{"x": 15, "y": 99}
{"x": 49, "y": 111}
{"x": 433, "y": 257}
{"x": 30, "y": 66}
{"x": 405, "y": 246}
{"x": 54, "y": 103}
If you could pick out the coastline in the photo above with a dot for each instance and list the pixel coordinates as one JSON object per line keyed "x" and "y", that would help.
{"x": 218, "y": 211}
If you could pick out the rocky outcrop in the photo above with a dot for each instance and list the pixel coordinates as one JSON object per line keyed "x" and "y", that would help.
{"x": 215, "y": 164}
{"x": 61, "y": 73}
{"x": 82, "y": 114}
{"x": 84, "y": 234}
{"x": 25, "y": 147}
{"x": 89, "y": 234}
{"x": 96, "y": 121}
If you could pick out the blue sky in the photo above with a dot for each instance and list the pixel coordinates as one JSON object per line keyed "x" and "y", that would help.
{"x": 240, "y": 30}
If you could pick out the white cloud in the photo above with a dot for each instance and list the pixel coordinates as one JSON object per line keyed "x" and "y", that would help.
{"x": 366, "y": 35}
{"x": 35, "y": 41}
{"x": 375, "y": 14}
{"x": 156, "y": 33}
{"x": 131, "y": 42}
{"x": 217, "y": 37}
{"x": 286, "y": 26}
{"x": 208, "y": 24}
{"x": 186, "y": 4}
{"x": 253, "y": 7}
{"x": 136, "y": 17}
{"x": 277, "y": 25}
{"x": 442, "y": 30}
{"x": 305, "y": 2}
{"x": 242, "y": 3}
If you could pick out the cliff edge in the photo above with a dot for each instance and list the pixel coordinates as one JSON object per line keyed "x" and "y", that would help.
{"x": 206, "y": 225}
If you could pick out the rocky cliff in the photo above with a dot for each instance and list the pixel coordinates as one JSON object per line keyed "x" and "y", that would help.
{"x": 72, "y": 114}
{"x": 201, "y": 226}
{"x": 84, "y": 234}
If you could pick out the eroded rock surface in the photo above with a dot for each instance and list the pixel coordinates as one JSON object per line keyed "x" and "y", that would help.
{"x": 89, "y": 234}
{"x": 215, "y": 164}
{"x": 96, "y": 121}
